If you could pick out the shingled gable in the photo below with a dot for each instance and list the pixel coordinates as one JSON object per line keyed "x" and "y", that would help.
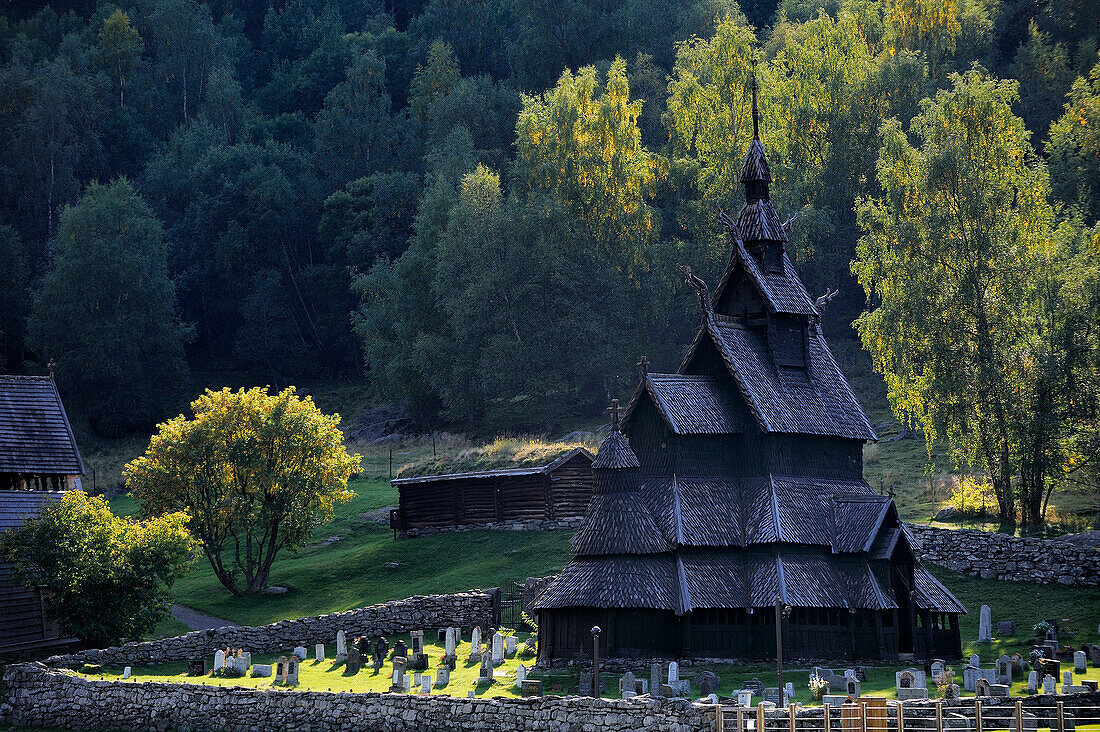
{"x": 35, "y": 436}
{"x": 730, "y": 511}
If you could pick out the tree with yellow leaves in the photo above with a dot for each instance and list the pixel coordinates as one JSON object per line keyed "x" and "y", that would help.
{"x": 257, "y": 472}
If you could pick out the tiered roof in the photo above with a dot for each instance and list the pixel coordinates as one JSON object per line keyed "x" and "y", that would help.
{"x": 35, "y": 436}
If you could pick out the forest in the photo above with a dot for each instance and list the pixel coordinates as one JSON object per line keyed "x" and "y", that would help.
{"x": 476, "y": 207}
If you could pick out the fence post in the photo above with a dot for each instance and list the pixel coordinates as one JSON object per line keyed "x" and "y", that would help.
{"x": 977, "y": 716}
{"x": 719, "y": 719}
{"x": 901, "y": 717}
{"x": 740, "y": 719}
{"x": 1061, "y": 716}
{"x": 790, "y": 710}
{"x": 939, "y": 716}
{"x": 760, "y": 717}
{"x": 828, "y": 722}
{"x": 1019, "y": 716}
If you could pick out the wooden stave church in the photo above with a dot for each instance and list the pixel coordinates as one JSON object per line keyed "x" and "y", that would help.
{"x": 738, "y": 480}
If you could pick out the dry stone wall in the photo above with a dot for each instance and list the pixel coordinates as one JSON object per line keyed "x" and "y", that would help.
{"x": 40, "y": 697}
{"x": 1004, "y": 557}
{"x": 466, "y": 609}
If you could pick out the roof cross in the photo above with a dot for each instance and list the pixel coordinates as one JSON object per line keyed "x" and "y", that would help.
{"x": 755, "y": 111}
{"x": 613, "y": 410}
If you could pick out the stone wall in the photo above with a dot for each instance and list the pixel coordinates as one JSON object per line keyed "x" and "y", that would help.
{"x": 40, "y": 697}
{"x": 1004, "y": 557}
{"x": 477, "y": 607}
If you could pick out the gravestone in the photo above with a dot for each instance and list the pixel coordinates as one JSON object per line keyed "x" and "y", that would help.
{"x": 400, "y": 649}
{"x": 341, "y": 646}
{"x": 378, "y": 653}
{"x": 1033, "y": 682}
{"x": 744, "y": 698}
{"x": 1067, "y": 678}
{"x": 261, "y": 670}
{"x": 1094, "y": 654}
{"x": 1048, "y": 684}
{"x": 300, "y": 652}
{"x": 426, "y": 684}
{"x": 975, "y": 661}
{"x": 417, "y": 640}
{"x": 584, "y": 687}
{"x": 911, "y": 684}
{"x": 498, "y": 648}
{"x": 985, "y": 625}
{"x": 241, "y": 664}
{"x": 197, "y": 667}
{"x": 292, "y": 671}
{"x": 521, "y": 675}
{"x": 247, "y": 656}
{"x": 408, "y": 684}
{"x": 852, "y": 686}
{"x": 1080, "y": 662}
{"x": 626, "y": 686}
{"x": 938, "y": 667}
{"x": 655, "y": 679}
{"x": 351, "y": 666}
{"x": 532, "y": 687}
{"x": 219, "y": 660}
{"x": 417, "y": 678}
{"x": 708, "y": 683}
{"x": 475, "y": 644}
{"x": 442, "y": 676}
{"x": 486, "y": 673}
{"x": 280, "y": 674}
{"x": 999, "y": 690}
{"x": 771, "y": 695}
{"x": 1050, "y": 666}
{"x": 788, "y": 689}
{"x": 319, "y": 652}
{"x": 673, "y": 673}
{"x": 1004, "y": 670}
{"x": 398, "y": 676}
{"x": 981, "y": 687}
{"x": 955, "y": 721}
{"x": 510, "y": 646}
{"x": 970, "y": 675}
{"x": 1007, "y": 627}
{"x": 127, "y": 672}
{"x": 449, "y": 643}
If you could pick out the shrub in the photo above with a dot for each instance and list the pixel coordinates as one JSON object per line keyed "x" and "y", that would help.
{"x": 818, "y": 687}
{"x": 971, "y": 497}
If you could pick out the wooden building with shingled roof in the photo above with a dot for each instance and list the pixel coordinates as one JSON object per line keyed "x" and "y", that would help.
{"x": 39, "y": 460}
{"x": 738, "y": 481}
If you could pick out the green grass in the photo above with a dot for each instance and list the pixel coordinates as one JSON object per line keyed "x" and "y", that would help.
{"x": 504, "y": 452}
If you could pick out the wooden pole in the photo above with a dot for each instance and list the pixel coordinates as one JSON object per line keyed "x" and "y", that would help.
{"x": 760, "y": 717}
{"x": 1061, "y": 717}
{"x": 779, "y": 649}
{"x": 1019, "y": 716}
{"x": 740, "y": 719}
{"x": 901, "y": 717}
{"x": 827, "y": 721}
{"x": 939, "y": 716}
{"x": 790, "y": 716}
{"x": 977, "y": 715}
{"x": 596, "y": 662}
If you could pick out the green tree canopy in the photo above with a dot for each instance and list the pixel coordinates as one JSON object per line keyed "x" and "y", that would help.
{"x": 1074, "y": 147}
{"x": 106, "y": 310}
{"x": 950, "y": 258}
{"x": 257, "y": 472}
{"x": 108, "y": 577}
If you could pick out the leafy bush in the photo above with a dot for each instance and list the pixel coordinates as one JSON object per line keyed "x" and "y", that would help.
{"x": 818, "y": 687}
{"x": 971, "y": 497}
{"x": 529, "y": 621}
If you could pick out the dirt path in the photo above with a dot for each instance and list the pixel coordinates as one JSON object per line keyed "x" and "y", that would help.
{"x": 196, "y": 620}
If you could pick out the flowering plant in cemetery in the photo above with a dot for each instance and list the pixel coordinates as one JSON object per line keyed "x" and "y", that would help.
{"x": 1042, "y": 627}
{"x": 818, "y": 687}
{"x": 945, "y": 682}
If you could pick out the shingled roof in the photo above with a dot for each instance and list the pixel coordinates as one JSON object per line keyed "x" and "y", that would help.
{"x": 691, "y": 404}
{"x": 782, "y": 291}
{"x": 35, "y": 436}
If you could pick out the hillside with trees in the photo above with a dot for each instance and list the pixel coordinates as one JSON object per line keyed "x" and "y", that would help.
{"x": 476, "y": 207}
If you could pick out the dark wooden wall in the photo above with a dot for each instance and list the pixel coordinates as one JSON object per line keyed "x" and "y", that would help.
{"x": 562, "y": 493}
{"x": 22, "y": 621}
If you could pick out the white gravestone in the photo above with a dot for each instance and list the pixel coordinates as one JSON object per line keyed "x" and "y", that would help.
{"x": 789, "y": 689}
{"x": 1004, "y": 670}
{"x": 319, "y": 652}
{"x": 1048, "y": 684}
{"x": 475, "y": 644}
{"x": 970, "y": 675}
{"x": 261, "y": 670}
{"x": 449, "y": 643}
{"x": 744, "y": 698}
{"x": 240, "y": 664}
{"x": 127, "y": 672}
{"x": 510, "y": 646}
{"x": 975, "y": 661}
{"x": 1080, "y": 661}
{"x": 341, "y": 646}
{"x": 247, "y": 656}
{"x": 442, "y": 676}
{"x": 300, "y": 652}
{"x": 219, "y": 660}
{"x": 1067, "y": 678}
{"x": 1033, "y": 682}
{"x": 498, "y": 649}
{"x": 426, "y": 684}
{"x": 985, "y": 625}
{"x": 673, "y": 673}
{"x": 408, "y": 683}
{"x": 937, "y": 670}
{"x": 521, "y": 675}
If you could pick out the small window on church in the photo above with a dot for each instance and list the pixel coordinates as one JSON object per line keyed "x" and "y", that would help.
{"x": 790, "y": 345}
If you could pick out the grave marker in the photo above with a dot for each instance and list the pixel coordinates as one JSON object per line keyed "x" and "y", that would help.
{"x": 300, "y": 652}
{"x": 1048, "y": 684}
{"x": 353, "y": 662}
{"x": 292, "y": 671}
{"x": 1080, "y": 662}
{"x": 985, "y": 629}
{"x": 521, "y": 675}
{"x": 261, "y": 670}
{"x": 626, "y": 686}
{"x": 532, "y": 687}
{"x": 319, "y": 652}
{"x": 1033, "y": 682}
{"x": 498, "y": 648}
{"x": 341, "y": 646}
{"x": 442, "y": 676}
{"x": 1004, "y": 670}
